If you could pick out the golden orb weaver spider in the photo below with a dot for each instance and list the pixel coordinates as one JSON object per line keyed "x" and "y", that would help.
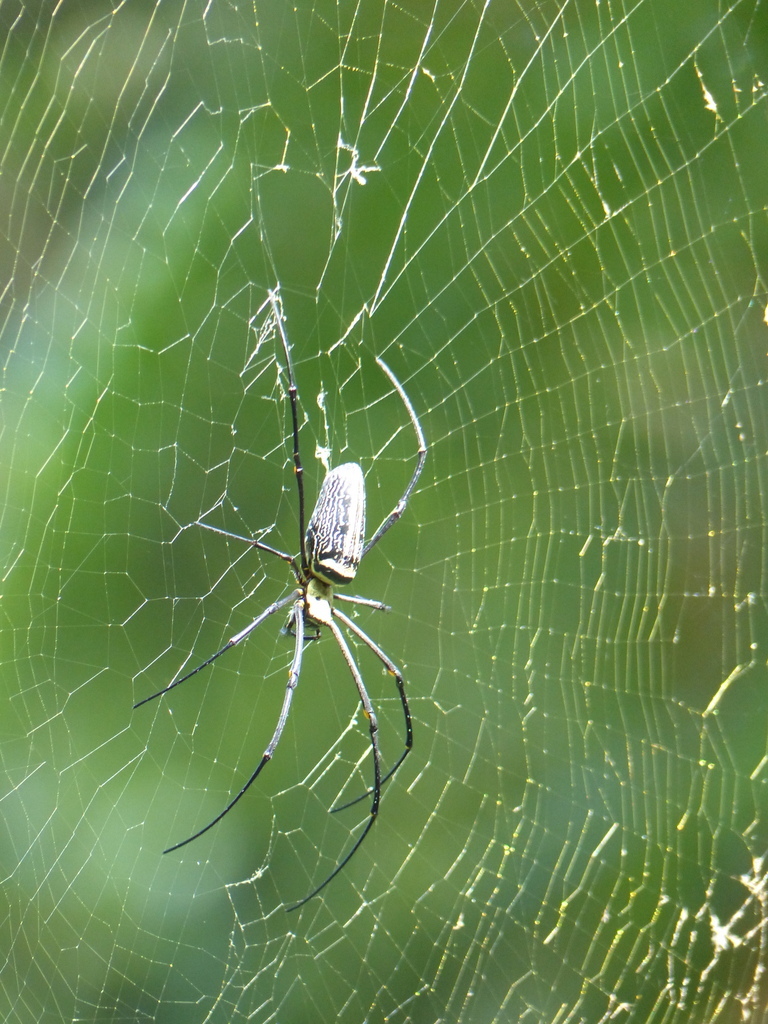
{"x": 331, "y": 550}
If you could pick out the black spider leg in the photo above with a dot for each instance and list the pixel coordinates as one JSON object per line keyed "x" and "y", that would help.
{"x": 373, "y": 726}
{"x": 293, "y": 679}
{"x": 256, "y": 544}
{"x": 227, "y": 646}
{"x": 298, "y": 469}
{"x": 399, "y": 508}
{"x": 400, "y": 681}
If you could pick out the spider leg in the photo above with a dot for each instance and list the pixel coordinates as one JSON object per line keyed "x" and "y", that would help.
{"x": 367, "y": 601}
{"x": 254, "y": 544}
{"x": 230, "y": 643}
{"x": 293, "y": 679}
{"x": 394, "y": 671}
{"x": 373, "y": 727}
{"x": 399, "y": 508}
{"x": 298, "y": 469}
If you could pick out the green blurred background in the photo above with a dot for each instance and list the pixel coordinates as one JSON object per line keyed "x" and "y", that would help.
{"x": 550, "y": 220}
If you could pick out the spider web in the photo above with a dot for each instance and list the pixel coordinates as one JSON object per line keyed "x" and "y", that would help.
{"x": 550, "y": 220}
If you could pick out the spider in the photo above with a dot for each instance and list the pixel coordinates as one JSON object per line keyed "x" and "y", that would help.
{"x": 330, "y": 552}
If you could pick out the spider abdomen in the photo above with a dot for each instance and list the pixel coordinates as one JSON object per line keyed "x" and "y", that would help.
{"x": 336, "y": 530}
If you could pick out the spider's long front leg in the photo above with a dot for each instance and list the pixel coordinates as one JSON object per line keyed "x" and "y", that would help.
{"x": 232, "y": 642}
{"x": 293, "y": 679}
{"x": 400, "y": 681}
{"x": 373, "y": 727}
